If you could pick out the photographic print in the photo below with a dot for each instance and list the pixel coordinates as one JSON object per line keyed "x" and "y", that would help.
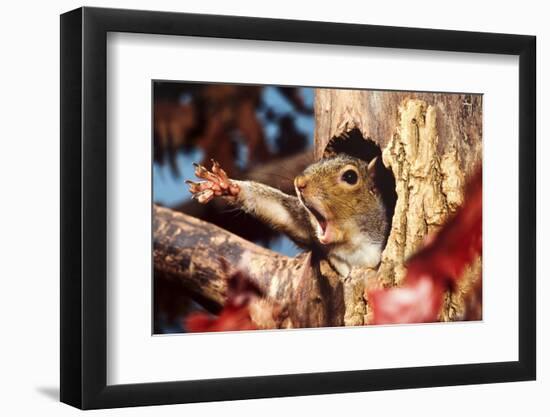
{"x": 282, "y": 207}
{"x": 333, "y": 204}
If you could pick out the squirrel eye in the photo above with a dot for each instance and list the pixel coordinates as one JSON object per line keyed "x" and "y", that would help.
{"x": 350, "y": 176}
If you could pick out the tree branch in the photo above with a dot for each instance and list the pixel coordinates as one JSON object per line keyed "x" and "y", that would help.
{"x": 191, "y": 251}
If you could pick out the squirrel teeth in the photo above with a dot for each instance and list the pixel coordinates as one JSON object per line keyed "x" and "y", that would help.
{"x": 320, "y": 219}
{"x": 323, "y": 234}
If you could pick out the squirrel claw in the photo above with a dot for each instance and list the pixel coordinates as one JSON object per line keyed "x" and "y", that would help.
{"x": 217, "y": 169}
{"x": 204, "y": 197}
{"x": 194, "y": 187}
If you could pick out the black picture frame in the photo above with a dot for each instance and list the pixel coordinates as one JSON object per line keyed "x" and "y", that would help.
{"x": 84, "y": 207}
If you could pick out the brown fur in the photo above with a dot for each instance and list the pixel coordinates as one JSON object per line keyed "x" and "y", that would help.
{"x": 356, "y": 224}
{"x": 356, "y": 208}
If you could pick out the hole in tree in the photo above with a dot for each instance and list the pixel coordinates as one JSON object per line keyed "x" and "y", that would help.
{"x": 354, "y": 144}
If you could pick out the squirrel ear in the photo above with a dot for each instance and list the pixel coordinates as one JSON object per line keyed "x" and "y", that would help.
{"x": 372, "y": 166}
{"x": 371, "y": 172}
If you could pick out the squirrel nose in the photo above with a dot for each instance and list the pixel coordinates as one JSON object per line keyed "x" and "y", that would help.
{"x": 300, "y": 183}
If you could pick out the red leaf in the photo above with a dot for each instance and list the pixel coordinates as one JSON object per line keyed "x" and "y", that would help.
{"x": 235, "y": 314}
{"x": 457, "y": 244}
{"x": 418, "y": 302}
{"x": 230, "y": 319}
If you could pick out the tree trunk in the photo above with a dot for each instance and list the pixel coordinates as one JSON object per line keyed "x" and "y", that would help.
{"x": 431, "y": 143}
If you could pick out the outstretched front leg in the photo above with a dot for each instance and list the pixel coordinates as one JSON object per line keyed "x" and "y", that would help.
{"x": 281, "y": 211}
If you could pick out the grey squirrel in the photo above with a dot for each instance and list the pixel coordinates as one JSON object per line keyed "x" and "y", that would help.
{"x": 337, "y": 209}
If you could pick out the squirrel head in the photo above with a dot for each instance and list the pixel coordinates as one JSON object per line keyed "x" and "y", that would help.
{"x": 341, "y": 199}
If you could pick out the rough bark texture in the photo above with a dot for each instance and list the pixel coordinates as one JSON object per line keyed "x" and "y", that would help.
{"x": 191, "y": 251}
{"x": 431, "y": 143}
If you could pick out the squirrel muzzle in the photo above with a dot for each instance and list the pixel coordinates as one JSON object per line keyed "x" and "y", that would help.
{"x": 320, "y": 218}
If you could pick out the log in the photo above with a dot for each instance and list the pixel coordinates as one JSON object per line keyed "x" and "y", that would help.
{"x": 193, "y": 252}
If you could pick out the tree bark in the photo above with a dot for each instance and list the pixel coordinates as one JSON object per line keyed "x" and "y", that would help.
{"x": 194, "y": 252}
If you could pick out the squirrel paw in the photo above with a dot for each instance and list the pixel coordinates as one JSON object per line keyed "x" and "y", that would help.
{"x": 216, "y": 183}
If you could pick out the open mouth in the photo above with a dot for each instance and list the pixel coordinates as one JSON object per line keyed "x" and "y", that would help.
{"x": 319, "y": 217}
{"x": 322, "y": 222}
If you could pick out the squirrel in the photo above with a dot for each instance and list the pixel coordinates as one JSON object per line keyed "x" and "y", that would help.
{"x": 337, "y": 209}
